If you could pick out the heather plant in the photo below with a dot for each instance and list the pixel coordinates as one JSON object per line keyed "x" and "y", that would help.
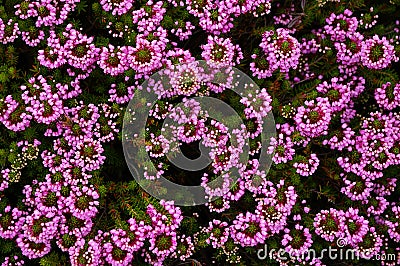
{"x": 73, "y": 73}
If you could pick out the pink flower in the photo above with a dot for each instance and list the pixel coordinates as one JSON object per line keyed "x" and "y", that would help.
{"x": 377, "y": 53}
{"x": 221, "y": 52}
{"x": 313, "y": 119}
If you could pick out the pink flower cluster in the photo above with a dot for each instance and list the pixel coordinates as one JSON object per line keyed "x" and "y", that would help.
{"x": 280, "y": 51}
{"x": 60, "y": 208}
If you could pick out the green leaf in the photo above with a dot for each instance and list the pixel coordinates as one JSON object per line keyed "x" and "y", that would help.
{"x": 81, "y": 6}
{"x": 53, "y": 259}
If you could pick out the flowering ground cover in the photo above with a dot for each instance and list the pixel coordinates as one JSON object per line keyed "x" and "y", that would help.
{"x": 245, "y": 132}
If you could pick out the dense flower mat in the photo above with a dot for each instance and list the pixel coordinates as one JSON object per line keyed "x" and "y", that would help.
{"x": 328, "y": 71}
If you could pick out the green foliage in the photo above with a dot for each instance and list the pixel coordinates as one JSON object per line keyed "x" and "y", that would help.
{"x": 376, "y": 78}
{"x": 6, "y": 246}
{"x": 295, "y": 179}
{"x": 81, "y": 6}
{"x": 53, "y": 259}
